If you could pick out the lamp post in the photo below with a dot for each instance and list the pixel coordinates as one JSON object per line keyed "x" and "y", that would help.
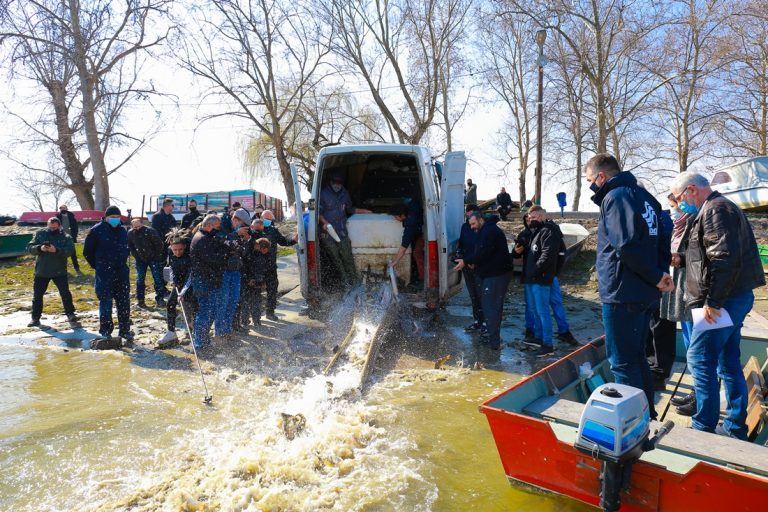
{"x": 541, "y": 37}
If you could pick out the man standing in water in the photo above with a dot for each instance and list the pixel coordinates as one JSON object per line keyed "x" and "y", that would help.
{"x": 630, "y": 280}
{"x": 52, "y": 247}
{"x": 106, "y": 251}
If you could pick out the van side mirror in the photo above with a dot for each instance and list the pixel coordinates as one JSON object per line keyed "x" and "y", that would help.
{"x": 311, "y": 205}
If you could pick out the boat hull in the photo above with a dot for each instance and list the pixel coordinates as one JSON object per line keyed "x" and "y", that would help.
{"x": 12, "y": 246}
{"x": 540, "y": 453}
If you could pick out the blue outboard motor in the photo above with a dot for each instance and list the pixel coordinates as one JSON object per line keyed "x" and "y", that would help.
{"x": 614, "y": 428}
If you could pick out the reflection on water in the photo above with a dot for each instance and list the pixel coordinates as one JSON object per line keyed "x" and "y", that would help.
{"x": 114, "y": 431}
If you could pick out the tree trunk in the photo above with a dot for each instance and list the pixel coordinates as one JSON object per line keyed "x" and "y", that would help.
{"x": 285, "y": 169}
{"x": 577, "y": 192}
{"x": 75, "y": 169}
{"x": 87, "y": 86}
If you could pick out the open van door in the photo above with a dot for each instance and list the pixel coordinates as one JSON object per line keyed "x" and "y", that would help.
{"x": 451, "y": 219}
{"x": 301, "y": 243}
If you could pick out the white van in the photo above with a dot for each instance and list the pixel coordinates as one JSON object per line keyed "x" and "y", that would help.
{"x": 377, "y": 177}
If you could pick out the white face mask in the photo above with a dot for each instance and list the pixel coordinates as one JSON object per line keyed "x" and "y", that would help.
{"x": 336, "y": 187}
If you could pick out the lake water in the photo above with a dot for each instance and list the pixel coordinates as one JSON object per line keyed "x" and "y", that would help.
{"x": 85, "y": 430}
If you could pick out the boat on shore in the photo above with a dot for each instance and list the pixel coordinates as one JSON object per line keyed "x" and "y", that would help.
{"x": 574, "y": 236}
{"x": 745, "y": 183}
{"x": 535, "y": 426}
{"x": 14, "y": 245}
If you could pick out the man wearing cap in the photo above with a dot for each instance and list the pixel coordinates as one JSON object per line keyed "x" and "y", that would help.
{"x": 335, "y": 206}
{"x": 69, "y": 225}
{"x": 106, "y": 250}
{"x": 52, "y": 246}
{"x": 163, "y": 221}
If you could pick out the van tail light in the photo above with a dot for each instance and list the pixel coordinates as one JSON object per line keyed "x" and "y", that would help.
{"x": 312, "y": 263}
{"x": 433, "y": 269}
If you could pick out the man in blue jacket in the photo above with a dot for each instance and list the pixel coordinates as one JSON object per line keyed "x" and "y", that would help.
{"x": 492, "y": 264}
{"x": 106, "y": 250}
{"x": 630, "y": 279}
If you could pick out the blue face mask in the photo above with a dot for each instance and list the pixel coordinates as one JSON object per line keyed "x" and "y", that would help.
{"x": 266, "y": 222}
{"x": 113, "y": 221}
{"x": 690, "y": 209}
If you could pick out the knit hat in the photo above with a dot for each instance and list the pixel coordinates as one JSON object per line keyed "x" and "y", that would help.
{"x": 112, "y": 210}
{"x": 242, "y": 216}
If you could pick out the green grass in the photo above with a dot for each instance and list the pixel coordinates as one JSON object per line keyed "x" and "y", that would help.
{"x": 285, "y": 251}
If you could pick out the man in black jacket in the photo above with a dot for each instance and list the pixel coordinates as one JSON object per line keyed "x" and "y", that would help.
{"x": 539, "y": 272}
{"x": 190, "y": 218}
{"x": 492, "y": 263}
{"x": 503, "y": 203}
{"x": 70, "y": 226}
{"x": 148, "y": 250}
{"x": 163, "y": 221}
{"x": 722, "y": 267}
{"x": 265, "y": 227}
{"x": 466, "y": 247}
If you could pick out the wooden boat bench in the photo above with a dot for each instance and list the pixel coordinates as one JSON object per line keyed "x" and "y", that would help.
{"x": 724, "y": 451}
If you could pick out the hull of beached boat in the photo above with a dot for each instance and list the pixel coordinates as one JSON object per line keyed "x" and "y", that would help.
{"x": 15, "y": 245}
{"x": 535, "y": 428}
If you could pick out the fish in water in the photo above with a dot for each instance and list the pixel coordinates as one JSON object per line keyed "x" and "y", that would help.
{"x": 293, "y": 424}
{"x": 441, "y": 362}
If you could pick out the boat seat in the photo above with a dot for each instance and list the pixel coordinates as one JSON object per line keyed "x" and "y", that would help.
{"x": 720, "y": 450}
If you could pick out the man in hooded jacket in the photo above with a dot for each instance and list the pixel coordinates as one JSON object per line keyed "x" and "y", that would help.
{"x": 630, "y": 278}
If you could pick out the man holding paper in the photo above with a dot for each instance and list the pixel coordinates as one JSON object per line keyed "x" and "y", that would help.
{"x": 722, "y": 266}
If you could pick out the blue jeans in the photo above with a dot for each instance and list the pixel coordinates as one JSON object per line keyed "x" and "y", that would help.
{"x": 707, "y": 350}
{"x": 493, "y": 291}
{"x": 113, "y": 285}
{"x": 230, "y": 296}
{"x": 686, "y": 327}
{"x": 626, "y": 330}
{"x": 156, "y": 267}
{"x": 207, "y": 306}
{"x": 555, "y": 302}
{"x": 538, "y": 295}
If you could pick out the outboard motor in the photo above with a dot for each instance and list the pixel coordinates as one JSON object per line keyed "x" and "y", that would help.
{"x": 614, "y": 428}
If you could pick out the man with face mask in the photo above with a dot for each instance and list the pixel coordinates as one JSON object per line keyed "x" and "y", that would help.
{"x": 722, "y": 266}
{"x": 70, "y": 226}
{"x": 106, "y": 250}
{"x": 335, "y": 206}
{"x": 190, "y": 218}
{"x": 629, "y": 268}
{"x": 52, "y": 247}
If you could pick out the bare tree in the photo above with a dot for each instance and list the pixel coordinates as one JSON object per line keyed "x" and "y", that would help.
{"x": 400, "y": 50}
{"x": 99, "y": 45}
{"x": 744, "y": 126}
{"x": 511, "y": 77}
{"x": 326, "y": 118}
{"x": 261, "y": 57}
{"x": 615, "y": 57}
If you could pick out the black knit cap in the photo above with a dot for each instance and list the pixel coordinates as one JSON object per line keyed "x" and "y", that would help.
{"x": 112, "y": 210}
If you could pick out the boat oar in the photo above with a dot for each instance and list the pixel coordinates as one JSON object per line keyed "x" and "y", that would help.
{"x": 674, "y": 392}
{"x": 208, "y": 399}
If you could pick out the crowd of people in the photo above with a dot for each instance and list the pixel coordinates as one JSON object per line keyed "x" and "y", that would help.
{"x": 654, "y": 268}
{"x": 217, "y": 267}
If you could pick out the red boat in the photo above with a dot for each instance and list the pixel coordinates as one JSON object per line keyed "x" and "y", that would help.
{"x": 535, "y": 425}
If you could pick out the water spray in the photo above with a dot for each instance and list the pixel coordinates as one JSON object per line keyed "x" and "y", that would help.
{"x": 208, "y": 398}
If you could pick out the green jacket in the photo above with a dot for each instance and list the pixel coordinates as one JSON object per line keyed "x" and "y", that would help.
{"x": 51, "y": 264}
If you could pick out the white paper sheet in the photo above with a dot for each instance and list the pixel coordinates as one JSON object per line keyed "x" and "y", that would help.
{"x": 699, "y": 324}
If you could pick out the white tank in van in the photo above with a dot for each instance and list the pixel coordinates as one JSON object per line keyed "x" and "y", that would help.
{"x": 375, "y": 238}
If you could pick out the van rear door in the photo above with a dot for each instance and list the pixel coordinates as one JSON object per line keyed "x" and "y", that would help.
{"x": 301, "y": 244}
{"x": 451, "y": 217}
